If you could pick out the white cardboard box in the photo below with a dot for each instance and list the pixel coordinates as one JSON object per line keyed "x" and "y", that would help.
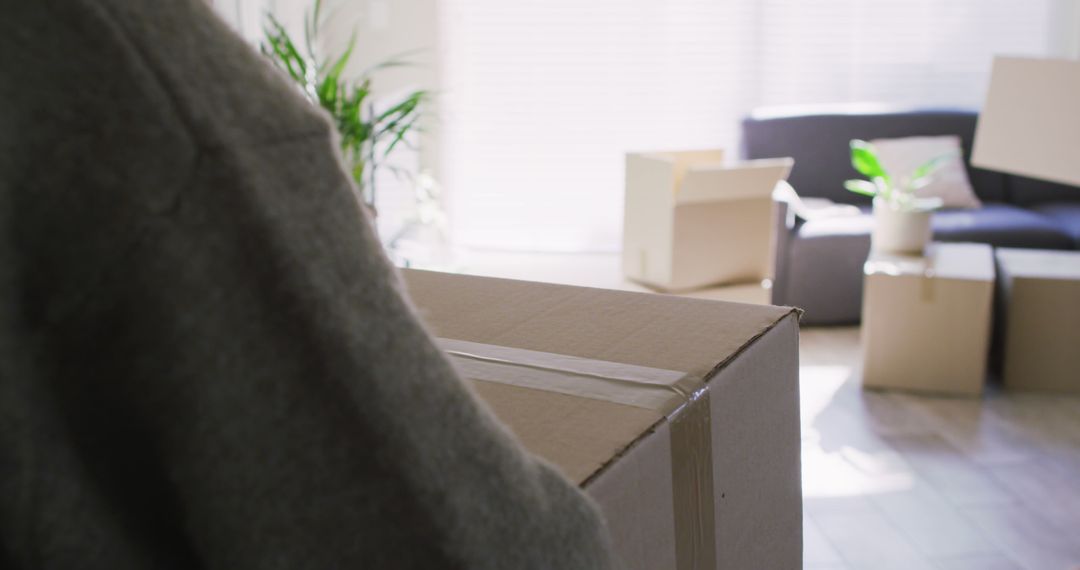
{"x": 926, "y": 319}
{"x": 690, "y": 222}
{"x": 699, "y": 473}
{"x": 1040, "y": 292}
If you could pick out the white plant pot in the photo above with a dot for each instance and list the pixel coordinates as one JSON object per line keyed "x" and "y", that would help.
{"x": 900, "y": 231}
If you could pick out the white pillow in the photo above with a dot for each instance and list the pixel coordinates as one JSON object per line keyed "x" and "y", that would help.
{"x": 900, "y": 157}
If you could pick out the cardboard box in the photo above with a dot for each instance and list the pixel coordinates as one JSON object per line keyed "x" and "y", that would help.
{"x": 1040, "y": 294}
{"x": 690, "y": 222}
{"x": 680, "y": 417}
{"x": 926, "y": 319}
{"x": 1028, "y": 125}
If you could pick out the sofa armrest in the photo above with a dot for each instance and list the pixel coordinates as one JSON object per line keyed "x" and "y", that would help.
{"x": 784, "y": 225}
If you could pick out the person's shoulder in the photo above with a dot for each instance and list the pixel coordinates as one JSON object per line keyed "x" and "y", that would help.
{"x": 70, "y": 64}
{"x": 227, "y": 93}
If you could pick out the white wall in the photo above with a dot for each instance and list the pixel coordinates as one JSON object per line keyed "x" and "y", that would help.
{"x": 245, "y": 16}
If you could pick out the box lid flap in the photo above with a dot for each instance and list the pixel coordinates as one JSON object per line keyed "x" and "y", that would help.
{"x": 751, "y": 179}
{"x": 1039, "y": 263}
{"x": 959, "y": 261}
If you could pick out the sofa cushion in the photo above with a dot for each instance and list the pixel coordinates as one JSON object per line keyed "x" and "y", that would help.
{"x": 999, "y": 225}
{"x": 902, "y": 157}
{"x": 1067, "y": 217}
{"x": 819, "y": 143}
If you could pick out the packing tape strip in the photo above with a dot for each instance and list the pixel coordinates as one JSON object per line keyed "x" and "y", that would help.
{"x": 682, "y": 399}
{"x": 639, "y": 386}
{"x": 929, "y": 277}
{"x": 692, "y": 485}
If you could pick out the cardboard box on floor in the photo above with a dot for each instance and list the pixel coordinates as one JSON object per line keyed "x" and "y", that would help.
{"x": 926, "y": 319}
{"x": 680, "y": 417}
{"x": 1040, "y": 293}
{"x": 690, "y": 222}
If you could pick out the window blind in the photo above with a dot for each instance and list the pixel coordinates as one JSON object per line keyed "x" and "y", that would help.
{"x": 542, "y": 98}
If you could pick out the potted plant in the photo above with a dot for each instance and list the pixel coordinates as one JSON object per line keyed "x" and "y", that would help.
{"x": 901, "y": 219}
{"x": 367, "y": 136}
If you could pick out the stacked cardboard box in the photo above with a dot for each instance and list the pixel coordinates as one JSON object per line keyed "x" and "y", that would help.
{"x": 926, "y": 319}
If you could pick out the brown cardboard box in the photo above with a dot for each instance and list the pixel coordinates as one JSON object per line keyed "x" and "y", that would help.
{"x": 694, "y": 460}
{"x": 1028, "y": 125}
{"x": 926, "y": 319}
{"x": 690, "y": 222}
{"x": 1040, "y": 291}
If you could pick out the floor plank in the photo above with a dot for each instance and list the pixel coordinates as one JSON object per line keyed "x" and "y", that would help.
{"x": 1046, "y": 489}
{"x": 955, "y": 483}
{"x": 1028, "y": 538}
{"x": 817, "y": 550}
{"x": 958, "y": 479}
{"x": 978, "y": 562}
{"x": 974, "y": 431}
{"x": 933, "y": 525}
{"x": 868, "y": 541}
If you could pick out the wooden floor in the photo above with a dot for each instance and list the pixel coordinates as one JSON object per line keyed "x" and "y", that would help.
{"x": 893, "y": 480}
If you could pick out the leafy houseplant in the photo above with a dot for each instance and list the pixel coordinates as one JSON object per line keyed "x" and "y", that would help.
{"x": 367, "y": 137}
{"x": 901, "y": 219}
{"x": 899, "y": 194}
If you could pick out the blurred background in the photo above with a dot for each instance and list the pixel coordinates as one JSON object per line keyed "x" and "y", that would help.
{"x": 536, "y": 102}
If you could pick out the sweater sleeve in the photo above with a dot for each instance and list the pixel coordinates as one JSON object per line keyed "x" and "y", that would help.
{"x": 222, "y": 368}
{"x": 255, "y": 350}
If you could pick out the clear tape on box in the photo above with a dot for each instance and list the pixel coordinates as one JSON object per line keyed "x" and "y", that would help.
{"x": 680, "y": 397}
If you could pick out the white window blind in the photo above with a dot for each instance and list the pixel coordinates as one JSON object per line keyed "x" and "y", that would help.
{"x": 905, "y": 52}
{"x": 542, "y": 98}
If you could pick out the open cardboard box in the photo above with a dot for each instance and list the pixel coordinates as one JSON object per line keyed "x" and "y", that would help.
{"x": 694, "y": 461}
{"x": 689, "y": 221}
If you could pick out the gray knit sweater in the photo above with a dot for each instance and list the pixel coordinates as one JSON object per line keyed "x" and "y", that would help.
{"x": 205, "y": 359}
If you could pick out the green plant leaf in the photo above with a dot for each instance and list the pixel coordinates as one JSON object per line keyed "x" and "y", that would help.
{"x": 309, "y": 33}
{"x": 402, "y": 59}
{"x": 339, "y": 65}
{"x": 864, "y": 187}
{"x": 400, "y": 135}
{"x": 358, "y": 172}
{"x": 403, "y": 108}
{"x": 864, "y": 159}
{"x": 284, "y": 52}
{"x": 931, "y": 166}
{"x": 914, "y": 184}
{"x": 347, "y": 100}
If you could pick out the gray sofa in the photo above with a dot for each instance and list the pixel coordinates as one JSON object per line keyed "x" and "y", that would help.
{"x": 818, "y": 264}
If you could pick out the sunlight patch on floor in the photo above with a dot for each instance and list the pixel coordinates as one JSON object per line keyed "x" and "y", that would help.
{"x": 844, "y": 471}
{"x": 850, "y": 472}
{"x": 818, "y": 386}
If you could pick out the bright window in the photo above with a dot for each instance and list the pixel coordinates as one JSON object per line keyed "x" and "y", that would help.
{"x": 542, "y": 98}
